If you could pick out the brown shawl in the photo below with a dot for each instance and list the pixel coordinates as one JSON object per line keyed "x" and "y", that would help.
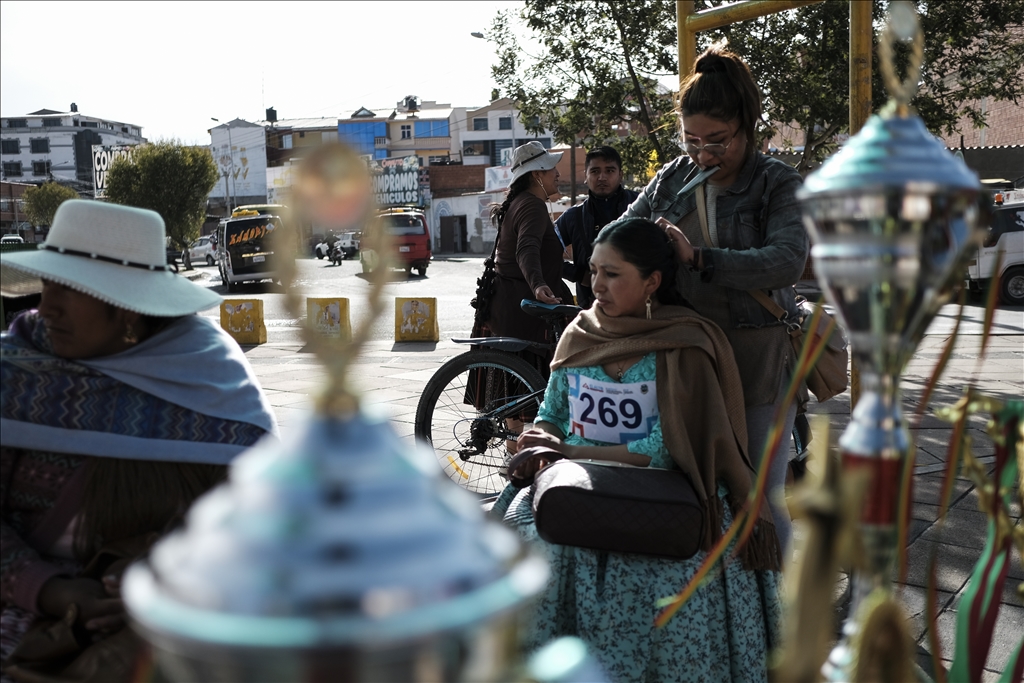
{"x": 700, "y": 400}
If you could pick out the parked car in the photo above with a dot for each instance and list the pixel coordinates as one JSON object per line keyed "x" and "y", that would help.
{"x": 349, "y": 245}
{"x": 1006, "y": 235}
{"x": 12, "y": 239}
{"x": 203, "y": 249}
{"x": 408, "y": 228}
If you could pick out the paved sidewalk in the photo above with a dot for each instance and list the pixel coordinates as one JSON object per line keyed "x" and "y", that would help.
{"x": 391, "y": 376}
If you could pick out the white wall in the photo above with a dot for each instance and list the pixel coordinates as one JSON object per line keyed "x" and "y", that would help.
{"x": 476, "y": 209}
{"x": 244, "y": 160}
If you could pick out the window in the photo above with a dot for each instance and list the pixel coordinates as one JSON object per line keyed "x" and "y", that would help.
{"x": 17, "y": 123}
{"x": 302, "y": 133}
{"x": 504, "y": 123}
{"x": 479, "y": 124}
{"x": 40, "y": 168}
{"x": 51, "y": 123}
{"x": 12, "y": 169}
{"x": 40, "y": 146}
{"x": 432, "y": 129}
{"x": 286, "y": 141}
{"x": 11, "y": 146}
{"x": 90, "y": 124}
{"x": 406, "y": 131}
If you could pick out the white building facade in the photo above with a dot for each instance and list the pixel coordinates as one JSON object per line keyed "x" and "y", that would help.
{"x": 240, "y": 150}
{"x": 48, "y": 144}
{"x": 492, "y": 132}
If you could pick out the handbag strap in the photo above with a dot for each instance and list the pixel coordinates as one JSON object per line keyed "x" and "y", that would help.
{"x": 761, "y": 298}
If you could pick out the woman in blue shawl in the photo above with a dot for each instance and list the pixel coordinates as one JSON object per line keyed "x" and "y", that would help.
{"x": 119, "y": 406}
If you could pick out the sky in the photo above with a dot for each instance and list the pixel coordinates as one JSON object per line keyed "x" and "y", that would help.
{"x": 171, "y": 66}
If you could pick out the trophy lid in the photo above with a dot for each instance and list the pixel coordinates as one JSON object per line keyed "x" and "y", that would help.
{"x": 891, "y": 153}
{"x": 341, "y": 535}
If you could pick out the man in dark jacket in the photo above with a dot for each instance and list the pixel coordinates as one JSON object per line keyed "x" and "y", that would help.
{"x": 579, "y": 225}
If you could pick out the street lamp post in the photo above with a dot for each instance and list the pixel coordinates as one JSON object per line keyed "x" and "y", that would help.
{"x": 228, "y": 194}
{"x": 511, "y": 109}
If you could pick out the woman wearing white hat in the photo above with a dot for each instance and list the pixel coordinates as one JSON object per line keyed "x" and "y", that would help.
{"x": 527, "y": 264}
{"x": 107, "y": 431}
{"x": 528, "y": 254}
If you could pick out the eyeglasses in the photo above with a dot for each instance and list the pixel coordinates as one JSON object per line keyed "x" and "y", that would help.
{"x": 714, "y": 149}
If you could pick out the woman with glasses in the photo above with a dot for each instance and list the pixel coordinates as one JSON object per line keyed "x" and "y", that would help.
{"x": 739, "y": 231}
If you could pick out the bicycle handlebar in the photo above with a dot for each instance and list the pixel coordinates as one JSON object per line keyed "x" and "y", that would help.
{"x": 540, "y": 310}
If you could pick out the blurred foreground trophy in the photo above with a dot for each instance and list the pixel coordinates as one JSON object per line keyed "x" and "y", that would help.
{"x": 893, "y": 217}
{"x": 342, "y": 553}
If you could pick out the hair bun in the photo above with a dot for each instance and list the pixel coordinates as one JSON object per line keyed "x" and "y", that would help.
{"x": 711, "y": 63}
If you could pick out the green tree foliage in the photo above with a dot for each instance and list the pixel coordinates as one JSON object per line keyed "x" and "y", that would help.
{"x": 596, "y": 63}
{"x": 41, "y": 202}
{"x": 596, "y": 72}
{"x": 801, "y": 59}
{"x": 170, "y": 178}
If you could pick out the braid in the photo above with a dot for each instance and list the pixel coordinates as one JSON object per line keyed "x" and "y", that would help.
{"x": 498, "y": 211}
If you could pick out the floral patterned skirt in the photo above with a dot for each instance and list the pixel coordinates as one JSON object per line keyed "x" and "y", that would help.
{"x": 610, "y": 600}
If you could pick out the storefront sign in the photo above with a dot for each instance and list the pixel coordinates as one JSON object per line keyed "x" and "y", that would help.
{"x": 396, "y": 181}
{"x": 103, "y": 157}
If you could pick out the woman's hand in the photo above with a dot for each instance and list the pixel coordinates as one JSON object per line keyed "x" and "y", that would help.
{"x": 96, "y": 610}
{"x": 684, "y": 250}
{"x": 538, "y": 437}
{"x": 544, "y": 295}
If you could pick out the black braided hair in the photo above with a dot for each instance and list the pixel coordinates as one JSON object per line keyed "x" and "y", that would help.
{"x": 646, "y": 246}
{"x": 498, "y": 211}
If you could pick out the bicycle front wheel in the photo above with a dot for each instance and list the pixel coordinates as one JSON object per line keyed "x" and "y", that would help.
{"x": 470, "y": 407}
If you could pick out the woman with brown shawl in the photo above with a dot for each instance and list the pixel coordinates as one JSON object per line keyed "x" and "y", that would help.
{"x": 640, "y": 332}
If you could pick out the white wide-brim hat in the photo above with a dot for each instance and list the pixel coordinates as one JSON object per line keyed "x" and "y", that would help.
{"x": 531, "y": 157}
{"x": 114, "y": 253}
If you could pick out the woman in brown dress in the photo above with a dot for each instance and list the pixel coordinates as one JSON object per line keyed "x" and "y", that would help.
{"x": 528, "y": 258}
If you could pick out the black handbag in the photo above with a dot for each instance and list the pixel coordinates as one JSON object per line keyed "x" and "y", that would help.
{"x": 619, "y": 508}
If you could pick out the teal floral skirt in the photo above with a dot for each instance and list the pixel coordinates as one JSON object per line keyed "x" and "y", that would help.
{"x": 610, "y": 600}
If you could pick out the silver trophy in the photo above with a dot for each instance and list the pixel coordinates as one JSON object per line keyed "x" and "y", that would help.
{"x": 893, "y": 218}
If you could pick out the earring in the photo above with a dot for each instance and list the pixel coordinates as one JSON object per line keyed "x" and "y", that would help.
{"x": 648, "y": 308}
{"x": 131, "y": 338}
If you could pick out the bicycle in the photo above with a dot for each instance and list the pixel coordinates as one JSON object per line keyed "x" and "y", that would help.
{"x": 466, "y": 426}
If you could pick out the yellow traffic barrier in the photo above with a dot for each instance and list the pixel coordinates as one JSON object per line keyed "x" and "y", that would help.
{"x": 329, "y": 316}
{"x": 243, "y": 320}
{"x": 416, "y": 320}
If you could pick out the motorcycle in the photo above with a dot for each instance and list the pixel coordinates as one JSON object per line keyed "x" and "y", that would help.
{"x": 336, "y": 254}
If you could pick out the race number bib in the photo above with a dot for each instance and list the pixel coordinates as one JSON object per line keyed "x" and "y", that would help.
{"x": 611, "y": 412}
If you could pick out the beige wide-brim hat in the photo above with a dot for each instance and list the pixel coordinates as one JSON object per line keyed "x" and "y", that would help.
{"x": 531, "y": 157}
{"x": 114, "y": 253}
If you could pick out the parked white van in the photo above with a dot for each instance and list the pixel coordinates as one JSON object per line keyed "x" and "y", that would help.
{"x": 1006, "y": 235}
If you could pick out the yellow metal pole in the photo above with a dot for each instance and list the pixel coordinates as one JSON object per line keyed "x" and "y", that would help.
{"x": 687, "y": 38}
{"x": 724, "y": 15}
{"x": 860, "y": 63}
{"x": 860, "y": 108}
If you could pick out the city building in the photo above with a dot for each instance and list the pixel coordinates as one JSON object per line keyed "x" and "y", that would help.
{"x": 240, "y": 149}
{"x": 366, "y": 132}
{"x": 12, "y": 211}
{"x": 492, "y": 129}
{"x": 55, "y": 145}
{"x": 426, "y": 129}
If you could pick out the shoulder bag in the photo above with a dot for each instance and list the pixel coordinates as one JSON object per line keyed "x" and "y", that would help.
{"x": 828, "y": 377}
{"x": 618, "y": 508}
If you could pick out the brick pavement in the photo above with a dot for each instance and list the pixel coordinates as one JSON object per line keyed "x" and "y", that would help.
{"x": 390, "y": 377}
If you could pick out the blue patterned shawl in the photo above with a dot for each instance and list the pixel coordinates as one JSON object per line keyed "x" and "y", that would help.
{"x": 186, "y": 394}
